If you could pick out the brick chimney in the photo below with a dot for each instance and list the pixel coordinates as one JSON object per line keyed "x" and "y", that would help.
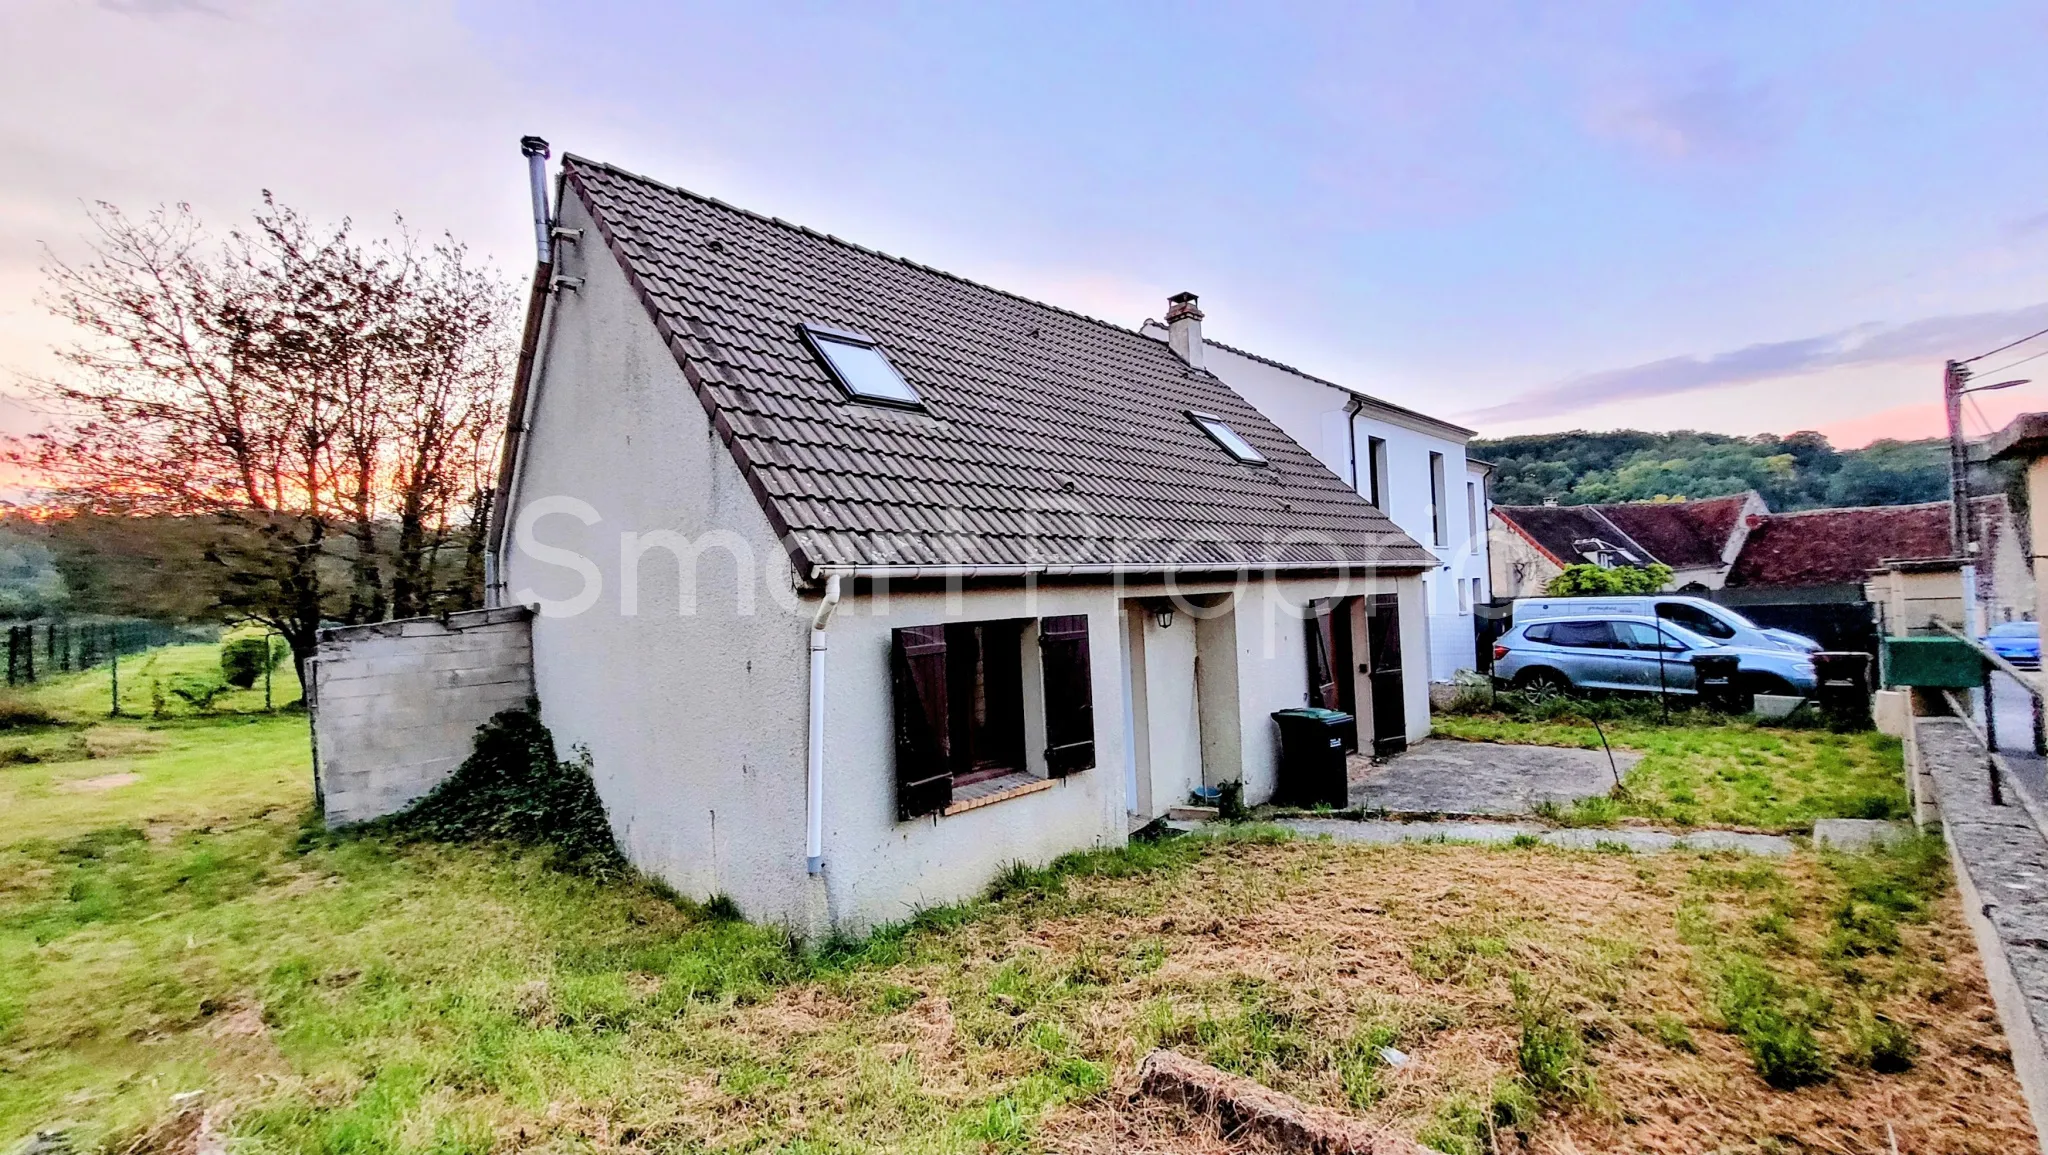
{"x": 1184, "y": 328}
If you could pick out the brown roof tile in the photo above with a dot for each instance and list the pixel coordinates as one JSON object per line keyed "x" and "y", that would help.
{"x": 1681, "y": 534}
{"x": 1021, "y": 398}
{"x": 1560, "y": 531}
{"x": 1822, "y": 547}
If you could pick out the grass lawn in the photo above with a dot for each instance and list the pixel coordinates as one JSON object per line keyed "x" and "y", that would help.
{"x": 185, "y": 930}
{"x": 1706, "y": 771}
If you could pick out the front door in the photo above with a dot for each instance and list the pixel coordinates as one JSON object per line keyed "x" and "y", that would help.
{"x": 1383, "y": 674}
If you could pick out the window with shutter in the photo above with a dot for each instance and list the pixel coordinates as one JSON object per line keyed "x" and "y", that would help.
{"x": 924, "y": 774}
{"x": 1069, "y": 695}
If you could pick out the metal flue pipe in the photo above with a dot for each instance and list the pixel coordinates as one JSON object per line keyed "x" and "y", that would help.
{"x": 535, "y": 150}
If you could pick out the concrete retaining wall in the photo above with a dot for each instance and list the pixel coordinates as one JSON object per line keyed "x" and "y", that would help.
{"x": 2000, "y": 857}
{"x": 396, "y": 704}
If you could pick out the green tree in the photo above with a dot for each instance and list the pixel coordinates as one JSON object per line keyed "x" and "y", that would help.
{"x": 1588, "y": 580}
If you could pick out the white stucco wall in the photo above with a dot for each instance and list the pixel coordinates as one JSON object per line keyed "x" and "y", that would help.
{"x": 1313, "y": 413}
{"x": 880, "y": 870}
{"x": 695, "y": 724}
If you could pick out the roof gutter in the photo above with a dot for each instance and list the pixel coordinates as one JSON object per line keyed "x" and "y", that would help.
{"x": 916, "y": 572}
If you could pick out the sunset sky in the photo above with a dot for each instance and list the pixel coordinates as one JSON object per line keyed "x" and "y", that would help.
{"x": 1525, "y": 216}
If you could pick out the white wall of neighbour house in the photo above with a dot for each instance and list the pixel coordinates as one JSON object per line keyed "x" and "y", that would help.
{"x": 1519, "y": 569}
{"x": 1314, "y": 414}
{"x": 695, "y": 723}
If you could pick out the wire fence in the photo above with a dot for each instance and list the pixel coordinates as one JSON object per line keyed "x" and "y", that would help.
{"x": 37, "y": 651}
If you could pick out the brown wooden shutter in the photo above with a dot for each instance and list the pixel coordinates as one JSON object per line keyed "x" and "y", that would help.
{"x": 1322, "y": 656}
{"x": 1069, "y": 695}
{"x": 924, "y": 777}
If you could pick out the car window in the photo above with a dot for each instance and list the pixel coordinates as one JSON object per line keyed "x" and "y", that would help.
{"x": 1582, "y": 635}
{"x": 1642, "y": 636}
{"x": 1695, "y": 619}
{"x": 2016, "y": 630}
{"x": 1537, "y": 633}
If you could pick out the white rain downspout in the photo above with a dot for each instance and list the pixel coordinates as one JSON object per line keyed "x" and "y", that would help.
{"x": 814, "y": 810}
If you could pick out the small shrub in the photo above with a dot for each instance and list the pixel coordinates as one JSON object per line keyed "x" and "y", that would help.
{"x": 1230, "y": 805}
{"x": 245, "y": 659}
{"x": 1551, "y": 1052}
{"x": 1466, "y": 1124}
{"x": 1780, "y": 1042}
{"x": 1525, "y": 841}
{"x": 514, "y": 788}
{"x": 18, "y": 713}
{"x": 198, "y": 694}
{"x": 1584, "y": 579}
{"x": 1884, "y": 1045}
{"x": 1671, "y": 1031}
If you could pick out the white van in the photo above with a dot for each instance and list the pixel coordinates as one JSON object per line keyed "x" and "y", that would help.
{"x": 1713, "y": 622}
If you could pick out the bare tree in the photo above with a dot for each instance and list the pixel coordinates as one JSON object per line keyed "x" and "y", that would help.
{"x": 332, "y": 405}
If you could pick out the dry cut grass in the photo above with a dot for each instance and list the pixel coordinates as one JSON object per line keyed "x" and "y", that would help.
{"x": 359, "y": 994}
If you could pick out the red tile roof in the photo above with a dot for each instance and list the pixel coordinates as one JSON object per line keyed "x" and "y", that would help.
{"x": 1681, "y": 534}
{"x": 1048, "y": 438}
{"x": 1565, "y": 533}
{"x": 1824, "y": 547}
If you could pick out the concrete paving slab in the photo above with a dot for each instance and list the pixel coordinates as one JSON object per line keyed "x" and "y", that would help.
{"x": 1444, "y": 776}
{"x": 1637, "y": 839}
{"x": 1857, "y": 833}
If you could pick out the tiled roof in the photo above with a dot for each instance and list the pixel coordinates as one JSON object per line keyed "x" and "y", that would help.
{"x": 1049, "y": 438}
{"x": 1562, "y": 531}
{"x": 1681, "y": 534}
{"x": 1823, "y": 547}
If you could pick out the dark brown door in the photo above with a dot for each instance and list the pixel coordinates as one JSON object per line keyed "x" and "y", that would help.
{"x": 1383, "y": 673}
{"x": 1329, "y": 656}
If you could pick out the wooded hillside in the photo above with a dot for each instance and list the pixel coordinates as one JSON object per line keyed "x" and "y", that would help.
{"x": 1797, "y": 471}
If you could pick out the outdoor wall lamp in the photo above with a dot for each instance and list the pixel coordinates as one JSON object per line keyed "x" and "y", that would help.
{"x": 1162, "y": 616}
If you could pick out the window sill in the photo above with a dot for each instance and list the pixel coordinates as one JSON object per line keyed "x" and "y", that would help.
{"x": 994, "y": 790}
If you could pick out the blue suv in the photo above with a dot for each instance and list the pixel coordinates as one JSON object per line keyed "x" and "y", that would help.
{"x": 1643, "y": 654}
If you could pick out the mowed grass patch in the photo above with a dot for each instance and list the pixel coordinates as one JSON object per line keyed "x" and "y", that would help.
{"x": 1723, "y": 773}
{"x": 348, "y": 994}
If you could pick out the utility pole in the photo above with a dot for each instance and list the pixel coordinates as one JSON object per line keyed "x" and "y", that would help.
{"x": 1952, "y": 381}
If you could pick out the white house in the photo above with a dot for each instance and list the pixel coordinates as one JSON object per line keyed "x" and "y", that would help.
{"x": 858, "y": 581}
{"x": 1409, "y": 464}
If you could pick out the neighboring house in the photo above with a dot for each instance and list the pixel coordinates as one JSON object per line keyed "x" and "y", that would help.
{"x": 1827, "y": 555}
{"x": 1532, "y": 544}
{"x": 1059, "y": 568}
{"x": 1409, "y": 464}
{"x": 1698, "y": 539}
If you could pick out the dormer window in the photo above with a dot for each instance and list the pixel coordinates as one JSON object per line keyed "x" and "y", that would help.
{"x": 1228, "y": 438}
{"x": 861, "y": 369}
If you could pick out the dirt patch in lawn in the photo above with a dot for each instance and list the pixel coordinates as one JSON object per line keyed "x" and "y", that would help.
{"x": 1294, "y": 965}
{"x": 97, "y": 784}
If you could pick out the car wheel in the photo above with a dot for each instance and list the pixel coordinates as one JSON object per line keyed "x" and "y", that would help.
{"x": 1543, "y": 683}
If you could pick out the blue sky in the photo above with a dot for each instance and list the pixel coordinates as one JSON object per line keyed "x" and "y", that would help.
{"x": 1730, "y": 216}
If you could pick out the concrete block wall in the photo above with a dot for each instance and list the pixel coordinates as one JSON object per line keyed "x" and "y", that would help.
{"x": 396, "y": 704}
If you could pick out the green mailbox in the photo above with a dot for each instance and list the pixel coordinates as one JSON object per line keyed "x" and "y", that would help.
{"x": 1935, "y": 663}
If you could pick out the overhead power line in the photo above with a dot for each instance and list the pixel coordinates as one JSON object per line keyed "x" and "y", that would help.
{"x": 2010, "y": 364}
{"x": 2004, "y": 347}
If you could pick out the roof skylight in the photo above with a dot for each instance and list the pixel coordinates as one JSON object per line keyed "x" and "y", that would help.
{"x": 1228, "y": 438}
{"x": 861, "y": 369}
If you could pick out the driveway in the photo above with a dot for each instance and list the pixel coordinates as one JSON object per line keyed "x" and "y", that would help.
{"x": 1441, "y": 776}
